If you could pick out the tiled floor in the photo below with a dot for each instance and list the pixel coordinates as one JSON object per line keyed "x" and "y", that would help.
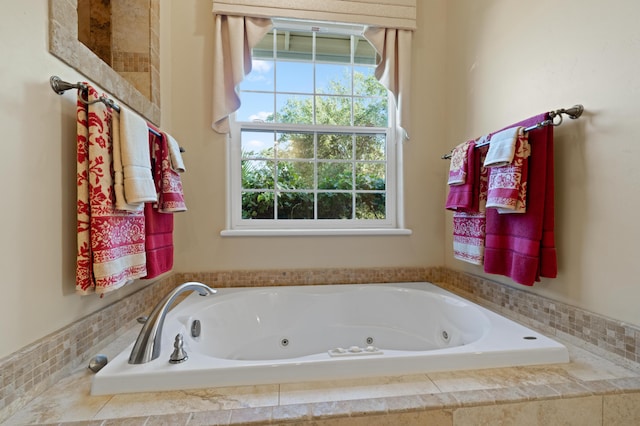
{"x": 577, "y": 390}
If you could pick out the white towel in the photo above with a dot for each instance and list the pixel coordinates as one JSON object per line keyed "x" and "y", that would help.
{"x": 136, "y": 160}
{"x": 502, "y": 147}
{"x": 174, "y": 154}
{"x": 121, "y": 202}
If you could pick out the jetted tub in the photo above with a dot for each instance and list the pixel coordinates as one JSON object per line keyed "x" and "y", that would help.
{"x": 265, "y": 335}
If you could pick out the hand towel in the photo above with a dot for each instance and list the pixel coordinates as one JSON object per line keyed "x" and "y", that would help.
{"x": 522, "y": 246}
{"x": 468, "y": 236}
{"x": 136, "y": 162}
{"x": 465, "y": 197}
{"x": 469, "y": 225}
{"x": 174, "y": 154}
{"x": 121, "y": 201}
{"x": 170, "y": 195}
{"x": 508, "y": 184}
{"x": 502, "y": 147}
{"x": 110, "y": 242}
{"x": 158, "y": 225}
{"x": 458, "y": 164}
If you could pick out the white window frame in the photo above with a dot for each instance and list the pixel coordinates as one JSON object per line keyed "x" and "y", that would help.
{"x": 392, "y": 224}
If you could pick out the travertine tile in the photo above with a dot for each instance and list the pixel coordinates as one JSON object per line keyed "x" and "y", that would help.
{"x": 576, "y": 411}
{"x": 377, "y": 387}
{"x": 586, "y": 411}
{"x": 621, "y": 410}
{"x": 150, "y": 403}
{"x": 519, "y": 414}
{"x": 494, "y": 378}
{"x": 69, "y": 400}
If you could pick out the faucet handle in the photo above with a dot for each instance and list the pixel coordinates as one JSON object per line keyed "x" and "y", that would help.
{"x": 179, "y": 354}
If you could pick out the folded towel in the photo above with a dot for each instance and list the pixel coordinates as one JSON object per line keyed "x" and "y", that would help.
{"x": 469, "y": 224}
{"x": 464, "y": 197}
{"x": 502, "y": 147}
{"x": 168, "y": 182}
{"x": 458, "y": 164}
{"x": 508, "y": 184}
{"x": 136, "y": 161}
{"x": 158, "y": 241}
{"x": 118, "y": 173}
{"x": 110, "y": 242}
{"x": 468, "y": 236}
{"x": 521, "y": 246}
{"x": 174, "y": 154}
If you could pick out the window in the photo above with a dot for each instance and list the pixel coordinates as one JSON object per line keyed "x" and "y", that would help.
{"x": 312, "y": 145}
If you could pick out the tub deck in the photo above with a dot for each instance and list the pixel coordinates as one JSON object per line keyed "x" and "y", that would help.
{"x": 590, "y": 390}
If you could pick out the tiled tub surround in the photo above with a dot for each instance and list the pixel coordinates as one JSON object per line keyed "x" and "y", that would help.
{"x": 592, "y": 389}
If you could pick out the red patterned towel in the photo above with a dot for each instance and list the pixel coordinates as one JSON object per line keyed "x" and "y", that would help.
{"x": 159, "y": 226}
{"x": 464, "y": 197}
{"x": 110, "y": 242}
{"x": 458, "y": 166}
{"x": 521, "y": 246}
{"x": 170, "y": 196}
{"x": 469, "y": 224}
{"x": 508, "y": 184}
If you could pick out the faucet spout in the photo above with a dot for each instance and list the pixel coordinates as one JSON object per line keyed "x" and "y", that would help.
{"x": 147, "y": 346}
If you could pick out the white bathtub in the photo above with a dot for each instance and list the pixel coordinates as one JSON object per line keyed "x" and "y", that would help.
{"x": 305, "y": 333}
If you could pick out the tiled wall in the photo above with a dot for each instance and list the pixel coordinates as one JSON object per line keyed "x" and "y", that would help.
{"x": 29, "y": 371}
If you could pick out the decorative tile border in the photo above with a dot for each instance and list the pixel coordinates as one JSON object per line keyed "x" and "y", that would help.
{"x": 264, "y": 278}
{"x": 34, "y": 368}
{"x": 601, "y": 335}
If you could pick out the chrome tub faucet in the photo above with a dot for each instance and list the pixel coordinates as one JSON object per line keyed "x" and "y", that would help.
{"x": 147, "y": 346}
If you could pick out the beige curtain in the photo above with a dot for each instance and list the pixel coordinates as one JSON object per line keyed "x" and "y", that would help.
{"x": 394, "y": 69}
{"x": 234, "y": 39}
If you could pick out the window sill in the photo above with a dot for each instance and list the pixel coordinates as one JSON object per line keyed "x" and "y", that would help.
{"x": 311, "y": 232}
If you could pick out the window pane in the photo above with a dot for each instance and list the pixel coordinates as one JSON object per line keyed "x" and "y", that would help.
{"x": 294, "y": 77}
{"x": 295, "y": 145}
{"x": 260, "y": 77}
{"x": 256, "y": 107}
{"x": 365, "y": 83}
{"x": 333, "y": 205}
{"x": 295, "y": 175}
{"x": 370, "y": 206}
{"x": 335, "y": 146}
{"x": 257, "y": 174}
{"x": 333, "y": 79}
{"x": 370, "y": 147}
{"x": 333, "y": 48}
{"x": 370, "y": 112}
{"x": 257, "y": 143}
{"x": 364, "y": 52}
{"x": 295, "y": 45}
{"x": 257, "y": 205}
{"x": 294, "y": 109}
{"x": 370, "y": 176}
{"x": 264, "y": 48}
{"x": 333, "y": 110}
{"x": 295, "y": 205}
{"x": 335, "y": 176}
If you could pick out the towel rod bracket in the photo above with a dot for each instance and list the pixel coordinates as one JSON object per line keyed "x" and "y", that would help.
{"x": 59, "y": 86}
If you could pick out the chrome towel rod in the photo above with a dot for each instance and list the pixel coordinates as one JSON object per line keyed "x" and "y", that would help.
{"x": 59, "y": 86}
{"x": 573, "y": 113}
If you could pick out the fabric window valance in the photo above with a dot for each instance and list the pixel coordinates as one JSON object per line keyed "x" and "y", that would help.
{"x": 238, "y": 29}
{"x": 399, "y": 14}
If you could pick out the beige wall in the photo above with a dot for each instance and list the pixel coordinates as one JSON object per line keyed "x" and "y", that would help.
{"x": 508, "y": 60}
{"x": 37, "y": 221}
{"x": 201, "y": 248}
